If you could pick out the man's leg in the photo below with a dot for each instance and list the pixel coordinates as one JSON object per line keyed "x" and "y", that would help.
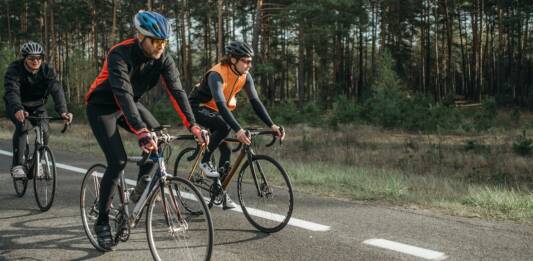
{"x": 19, "y": 146}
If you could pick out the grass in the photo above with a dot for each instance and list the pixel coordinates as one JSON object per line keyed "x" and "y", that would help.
{"x": 465, "y": 175}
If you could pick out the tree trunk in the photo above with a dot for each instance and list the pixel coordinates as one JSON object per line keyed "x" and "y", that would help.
{"x": 220, "y": 31}
{"x": 114, "y": 22}
{"x": 257, "y": 25}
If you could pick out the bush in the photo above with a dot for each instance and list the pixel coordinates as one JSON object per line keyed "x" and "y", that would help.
{"x": 523, "y": 145}
{"x": 484, "y": 118}
{"x": 345, "y": 111}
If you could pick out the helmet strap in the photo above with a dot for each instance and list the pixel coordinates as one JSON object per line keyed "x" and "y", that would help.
{"x": 28, "y": 68}
{"x": 233, "y": 66}
{"x": 141, "y": 41}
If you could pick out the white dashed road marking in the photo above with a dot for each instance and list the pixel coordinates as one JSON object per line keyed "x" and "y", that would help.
{"x": 406, "y": 249}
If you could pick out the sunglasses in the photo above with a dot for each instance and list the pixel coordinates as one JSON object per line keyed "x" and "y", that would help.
{"x": 33, "y": 58}
{"x": 156, "y": 41}
{"x": 246, "y": 61}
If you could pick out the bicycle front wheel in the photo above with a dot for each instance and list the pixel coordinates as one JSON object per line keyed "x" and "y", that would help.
{"x": 174, "y": 232}
{"x": 44, "y": 179}
{"x": 265, "y": 194}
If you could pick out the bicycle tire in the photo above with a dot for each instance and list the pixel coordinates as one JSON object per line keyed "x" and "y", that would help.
{"x": 265, "y": 209}
{"x": 44, "y": 183}
{"x": 173, "y": 233}
{"x": 89, "y": 197}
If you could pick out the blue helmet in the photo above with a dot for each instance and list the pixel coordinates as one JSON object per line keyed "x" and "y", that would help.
{"x": 152, "y": 24}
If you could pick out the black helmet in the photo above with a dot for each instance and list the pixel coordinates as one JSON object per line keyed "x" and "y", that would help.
{"x": 31, "y": 48}
{"x": 239, "y": 49}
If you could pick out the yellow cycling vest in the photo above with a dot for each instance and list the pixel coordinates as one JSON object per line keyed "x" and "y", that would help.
{"x": 231, "y": 84}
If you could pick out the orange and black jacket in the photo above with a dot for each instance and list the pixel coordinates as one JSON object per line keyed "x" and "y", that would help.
{"x": 217, "y": 92}
{"x": 127, "y": 74}
{"x": 25, "y": 90}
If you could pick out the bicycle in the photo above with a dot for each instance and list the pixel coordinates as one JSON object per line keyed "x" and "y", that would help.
{"x": 169, "y": 228}
{"x": 263, "y": 186}
{"x": 40, "y": 165}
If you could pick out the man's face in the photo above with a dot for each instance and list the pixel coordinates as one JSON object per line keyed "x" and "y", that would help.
{"x": 33, "y": 62}
{"x": 243, "y": 64}
{"x": 154, "y": 48}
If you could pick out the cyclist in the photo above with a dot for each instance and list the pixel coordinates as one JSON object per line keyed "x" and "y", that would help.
{"x": 28, "y": 82}
{"x": 214, "y": 99}
{"x": 131, "y": 68}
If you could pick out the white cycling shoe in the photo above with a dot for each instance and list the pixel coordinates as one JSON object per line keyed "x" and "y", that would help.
{"x": 18, "y": 172}
{"x": 209, "y": 170}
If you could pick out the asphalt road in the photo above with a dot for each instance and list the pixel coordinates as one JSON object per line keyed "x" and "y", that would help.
{"x": 326, "y": 229}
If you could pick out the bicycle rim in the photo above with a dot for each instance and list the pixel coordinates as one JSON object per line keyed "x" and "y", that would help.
{"x": 172, "y": 231}
{"x": 44, "y": 179}
{"x": 265, "y": 194}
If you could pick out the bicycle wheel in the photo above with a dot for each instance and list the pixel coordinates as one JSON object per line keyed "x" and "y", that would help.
{"x": 265, "y": 194}
{"x": 20, "y": 185}
{"x": 89, "y": 195}
{"x": 44, "y": 179}
{"x": 172, "y": 231}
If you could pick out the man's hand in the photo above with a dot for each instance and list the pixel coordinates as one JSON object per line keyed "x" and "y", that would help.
{"x": 67, "y": 116}
{"x": 201, "y": 135}
{"x": 146, "y": 142}
{"x": 280, "y": 133}
{"x": 242, "y": 137}
{"x": 21, "y": 115}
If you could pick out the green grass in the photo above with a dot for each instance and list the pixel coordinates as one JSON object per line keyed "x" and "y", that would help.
{"x": 444, "y": 194}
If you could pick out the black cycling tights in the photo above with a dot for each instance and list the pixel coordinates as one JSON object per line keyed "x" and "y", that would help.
{"x": 104, "y": 121}
{"x": 21, "y": 133}
{"x": 219, "y": 129}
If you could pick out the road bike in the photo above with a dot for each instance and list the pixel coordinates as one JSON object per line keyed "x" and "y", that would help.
{"x": 39, "y": 162}
{"x": 263, "y": 186}
{"x": 172, "y": 231}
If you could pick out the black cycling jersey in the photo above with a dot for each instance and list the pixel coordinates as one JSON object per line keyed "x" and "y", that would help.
{"x": 27, "y": 91}
{"x": 128, "y": 74}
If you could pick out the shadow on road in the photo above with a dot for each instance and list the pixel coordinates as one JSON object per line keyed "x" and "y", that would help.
{"x": 221, "y": 235}
{"x": 48, "y": 233}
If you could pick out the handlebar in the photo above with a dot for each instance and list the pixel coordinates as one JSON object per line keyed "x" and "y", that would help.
{"x": 65, "y": 126}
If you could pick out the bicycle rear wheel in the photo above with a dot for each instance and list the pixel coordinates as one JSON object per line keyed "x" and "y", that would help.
{"x": 89, "y": 196}
{"x": 174, "y": 232}
{"x": 265, "y": 194}
{"x": 44, "y": 179}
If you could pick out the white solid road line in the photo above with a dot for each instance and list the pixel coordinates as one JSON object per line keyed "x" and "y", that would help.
{"x": 259, "y": 213}
{"x": 406, "y": 249}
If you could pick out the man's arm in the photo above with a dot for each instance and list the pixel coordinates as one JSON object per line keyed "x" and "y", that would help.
{"x": 57, "y": 92}
{"x": 123, "y": 93}
{"x": 257, "y": 105}
{"x": 12, "y": 90}
{"x": 172, "y": 84}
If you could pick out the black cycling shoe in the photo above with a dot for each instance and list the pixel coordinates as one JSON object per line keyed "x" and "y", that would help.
{"x": 103, "y": 236}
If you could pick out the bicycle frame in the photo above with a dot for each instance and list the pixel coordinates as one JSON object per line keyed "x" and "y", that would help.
{"x": 245, "y": 151}
{"x": 39, "y": 143}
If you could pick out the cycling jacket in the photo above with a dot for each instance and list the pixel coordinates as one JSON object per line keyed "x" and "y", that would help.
{"x": 26, "y": 91}
{"x": 127, "y": 74}
{"x": 217, "y": 92}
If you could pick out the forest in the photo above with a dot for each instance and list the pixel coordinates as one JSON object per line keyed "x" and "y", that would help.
{"x": 317, "y": 54}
